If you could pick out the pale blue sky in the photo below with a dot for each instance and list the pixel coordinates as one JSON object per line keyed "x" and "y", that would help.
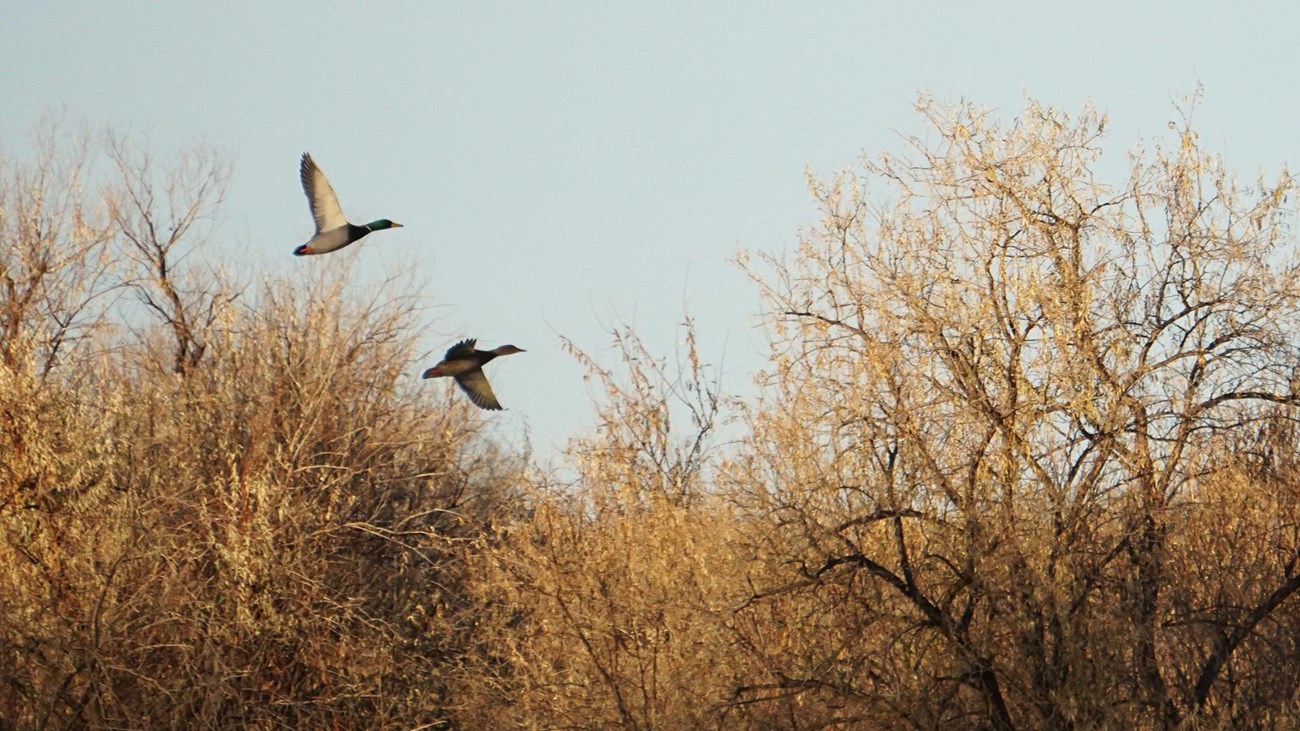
{"x": 562, "y": 165}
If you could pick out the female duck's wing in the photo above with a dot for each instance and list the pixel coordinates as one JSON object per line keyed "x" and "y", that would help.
{"x": 476, "y": 386}
{"x": 324, "y": 204}
{"x": 463, "y": 349}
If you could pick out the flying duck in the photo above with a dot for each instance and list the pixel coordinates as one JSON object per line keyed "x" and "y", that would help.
{"x": 464, "y": 363}
{"x": 333, "y": 231}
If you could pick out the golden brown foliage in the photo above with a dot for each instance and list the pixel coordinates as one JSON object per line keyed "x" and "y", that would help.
{"x": 604, "y": 608}
{"x": 1025, "y": 457}
{"x": 1004, "y": 404}
{"x": 243, "y": 514}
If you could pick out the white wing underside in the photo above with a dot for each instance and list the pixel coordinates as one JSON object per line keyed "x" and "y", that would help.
{"x": 320, "y": 196}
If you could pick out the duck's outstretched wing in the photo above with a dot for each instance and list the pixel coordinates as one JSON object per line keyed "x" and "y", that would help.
{"x": 320, "y": 196}
{"x": 463, "y": 349}
{"x": 476, "y": 386}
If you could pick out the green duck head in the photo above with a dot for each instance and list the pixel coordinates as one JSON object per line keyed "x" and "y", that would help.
{"x": 382, "y": 224}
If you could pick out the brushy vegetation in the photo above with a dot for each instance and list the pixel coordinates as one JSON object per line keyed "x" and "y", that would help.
{"x": 1024, "y": 457}
{"x": 239, "y": 511}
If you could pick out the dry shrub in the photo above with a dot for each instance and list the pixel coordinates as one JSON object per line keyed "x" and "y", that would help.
{"x": 1023, "y": 460}
{"x": 256, "y": 520}
{"x": 605, "y": 621}
{"x": 1024, "y": 457}
{"x": 609, "y": 606}
{"x": 1234, "y": 549}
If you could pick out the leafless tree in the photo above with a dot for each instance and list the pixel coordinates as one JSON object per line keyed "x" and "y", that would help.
{"x": 161, "y": 217}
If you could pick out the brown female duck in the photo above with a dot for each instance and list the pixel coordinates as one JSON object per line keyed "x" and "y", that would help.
{"x": 465, "y": 363}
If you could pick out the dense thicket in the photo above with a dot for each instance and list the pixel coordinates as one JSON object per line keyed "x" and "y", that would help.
{"x": 221, "y": 506}
{"x": 1023, "y": 456}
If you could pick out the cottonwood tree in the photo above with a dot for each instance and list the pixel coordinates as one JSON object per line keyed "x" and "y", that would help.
{"x": 1011, "y": 443}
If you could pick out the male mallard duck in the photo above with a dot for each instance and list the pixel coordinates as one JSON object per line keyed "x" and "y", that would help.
{"x": 333, "y": 231}
{"x": 464, "y": 363}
